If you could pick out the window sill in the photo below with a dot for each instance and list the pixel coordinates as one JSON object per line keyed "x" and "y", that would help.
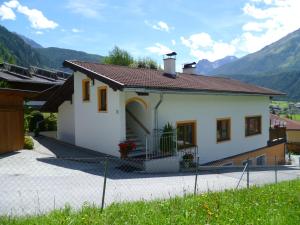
{"x": 222, "y": 141}
{"x": 252, "y": 135}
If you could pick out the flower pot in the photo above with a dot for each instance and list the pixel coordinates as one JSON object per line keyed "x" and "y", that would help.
{"x": 124, "y": 154}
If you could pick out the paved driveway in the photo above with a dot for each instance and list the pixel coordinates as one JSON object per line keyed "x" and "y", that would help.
{"x": 36, "y": 182}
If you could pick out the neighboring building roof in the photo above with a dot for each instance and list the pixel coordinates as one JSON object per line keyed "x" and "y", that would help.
{"x": 18, "y": 92}
{"x": 120, "y": 77}
{"x": 14, "y": 73}
{"x": 289, "y": 124}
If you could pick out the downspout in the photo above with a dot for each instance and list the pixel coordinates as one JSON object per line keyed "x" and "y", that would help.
{"x": 156, "y": 111}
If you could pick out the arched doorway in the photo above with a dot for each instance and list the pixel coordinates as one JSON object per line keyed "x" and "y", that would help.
{"x": 137, "y": 123}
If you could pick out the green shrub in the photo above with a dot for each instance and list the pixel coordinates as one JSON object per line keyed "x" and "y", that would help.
{"x": 35, "y": 117}
{"x": 4, "y": 84}
{"x": 28, "y": 143}
{"x": 51, "y": 122}
{"x": 167, "y": 141}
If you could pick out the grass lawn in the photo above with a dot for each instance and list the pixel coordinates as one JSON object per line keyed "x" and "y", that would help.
{"x": 296, "y": 117}
{"x": 281, "y": 104}
{"x": 271, "y": 204}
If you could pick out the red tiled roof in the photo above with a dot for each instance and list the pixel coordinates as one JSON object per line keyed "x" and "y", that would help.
{"x": 126, "y": 77}
{"x": 290, "y": 124}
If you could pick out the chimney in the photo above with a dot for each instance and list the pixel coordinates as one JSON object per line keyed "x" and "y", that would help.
{"x": 170, "y": 64}
{"x": 190, "y": 68}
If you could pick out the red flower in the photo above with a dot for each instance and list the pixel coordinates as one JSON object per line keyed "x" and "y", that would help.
{"x": 127, "y": 146}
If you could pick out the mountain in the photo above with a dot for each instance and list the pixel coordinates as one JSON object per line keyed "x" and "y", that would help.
{"x": 53, "y": 57}
{"x": 281, "y": 56}
{"x": 25, "y": 52}
{"x": 29, "y": 41}
{"x": 205, "y": 66}
{"x": 276, "y": 66}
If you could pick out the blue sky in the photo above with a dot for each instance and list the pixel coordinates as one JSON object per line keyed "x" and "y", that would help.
{"x": 194, "y": 29}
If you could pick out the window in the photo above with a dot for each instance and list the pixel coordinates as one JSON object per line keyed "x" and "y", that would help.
{"x": 261, "y": 160}
{"x": 86, "y": 90}
{"x": 102, "y": 99}
{"x": 253, "y": 125}
{"x": 186, "y": 134}
{"x": 223, "y": 130}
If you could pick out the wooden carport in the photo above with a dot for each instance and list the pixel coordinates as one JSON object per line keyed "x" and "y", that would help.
{"x": 12, "y": 118}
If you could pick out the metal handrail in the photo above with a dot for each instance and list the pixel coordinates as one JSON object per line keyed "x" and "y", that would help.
{"x": 138, "y": 122}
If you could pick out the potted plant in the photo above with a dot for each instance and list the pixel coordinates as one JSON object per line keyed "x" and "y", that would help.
{"x": 167, "y": 141}
{"x": 126, "y": 147}
{"x": 188, "y": 159}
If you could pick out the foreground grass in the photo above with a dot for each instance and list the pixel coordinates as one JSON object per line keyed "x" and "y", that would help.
{"x": 271, "y": 204}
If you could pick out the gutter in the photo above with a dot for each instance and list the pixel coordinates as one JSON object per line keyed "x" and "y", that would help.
{"x": 203, "y": 92}
{"x": 156, "y": 111}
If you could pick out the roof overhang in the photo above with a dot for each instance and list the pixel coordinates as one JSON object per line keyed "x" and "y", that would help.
{"x": 61, "y": 94}
{"x": 115, "y": 85}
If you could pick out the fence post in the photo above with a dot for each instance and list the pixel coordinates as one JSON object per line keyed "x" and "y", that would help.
{"x": 104, "y": 183}
{"x": 275, "y": 169}
{"x": 147, "y": 151}
{"x": 248, "y": 170}
{"x": 196, "y": 177}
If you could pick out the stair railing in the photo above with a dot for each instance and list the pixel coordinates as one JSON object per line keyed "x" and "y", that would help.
{"x": 138, "y": 121}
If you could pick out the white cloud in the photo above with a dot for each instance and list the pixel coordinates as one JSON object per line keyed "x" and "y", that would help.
{"x": 36, "y": 17}
{"x": 75, "y": 30}
{"x": 159, "y": 49}
{"x": 160, "y": 25}
{"x": 173, "y": 42}
{"x": 269, "y": 20}
{"x": 89, "y": 9}
{"x": 197, "y": 40}
{"x": 6, "y": 13}
{"x": 202, "y": 46}
{"x": 39, "y": 32}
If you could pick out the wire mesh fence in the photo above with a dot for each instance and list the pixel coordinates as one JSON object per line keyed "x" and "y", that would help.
{"x": 32, "y": 183}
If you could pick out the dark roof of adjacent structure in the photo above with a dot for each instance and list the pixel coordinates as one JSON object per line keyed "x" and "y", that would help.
{"x": 120, "y": 77}
{"x": 14, "y": 73}
{"x": 18, "y": 92}
{"x": 289, "y": 124}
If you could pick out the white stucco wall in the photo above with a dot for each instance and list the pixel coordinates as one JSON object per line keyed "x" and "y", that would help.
{"x": 98, "y": 131}
{"x": 66, "y": 123}
{"x": 206, "y": 109}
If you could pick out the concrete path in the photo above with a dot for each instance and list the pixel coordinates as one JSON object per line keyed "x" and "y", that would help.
{"x": 58, "y": 149}
{"x": 34, "y": 182}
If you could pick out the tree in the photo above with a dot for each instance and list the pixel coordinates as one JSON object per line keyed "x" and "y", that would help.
{"x": 146, "y": 62}
{"x": 119, "y": 57}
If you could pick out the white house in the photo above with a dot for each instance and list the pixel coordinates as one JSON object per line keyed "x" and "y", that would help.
{"x": 101, "y": 105}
